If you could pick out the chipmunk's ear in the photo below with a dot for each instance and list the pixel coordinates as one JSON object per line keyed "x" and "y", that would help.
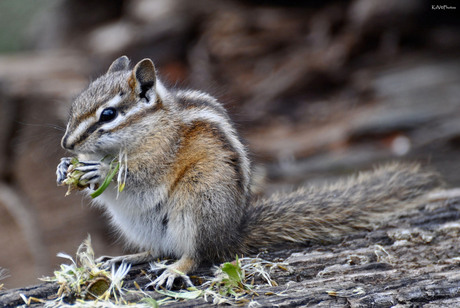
{"x": 145, "y": 77}
{"x": 119, "y": 64}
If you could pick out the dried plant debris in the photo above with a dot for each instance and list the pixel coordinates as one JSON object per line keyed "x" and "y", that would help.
{"x": 86, "y": 283}
{"x": 116, "y": 166}
{"x": 232, "y": 283}
{"x": 73, "y": 177}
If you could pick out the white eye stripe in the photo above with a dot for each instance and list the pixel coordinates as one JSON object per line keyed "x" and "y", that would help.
{"x": 138, "y": 108}
{"x": 81, "y": 129}
{"x": 112, "y": 103}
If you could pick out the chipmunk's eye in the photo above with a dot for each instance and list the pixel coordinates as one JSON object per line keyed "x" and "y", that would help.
{"x": 108, "y": 115}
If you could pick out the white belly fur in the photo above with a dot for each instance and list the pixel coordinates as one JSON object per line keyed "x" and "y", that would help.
{"x": 141, "y": 223}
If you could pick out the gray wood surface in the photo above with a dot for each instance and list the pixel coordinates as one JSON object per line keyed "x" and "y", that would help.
{"x": 412, "y": 261}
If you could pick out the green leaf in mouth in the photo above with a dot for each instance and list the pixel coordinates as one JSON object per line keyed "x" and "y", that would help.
{"x": 108, "y": 179}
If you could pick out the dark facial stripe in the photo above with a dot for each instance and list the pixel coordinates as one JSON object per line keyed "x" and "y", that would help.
{"x": 87, "y": 133}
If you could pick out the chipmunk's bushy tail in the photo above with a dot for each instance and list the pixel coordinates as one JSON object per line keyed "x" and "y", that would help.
{"x": 328, "y": 213}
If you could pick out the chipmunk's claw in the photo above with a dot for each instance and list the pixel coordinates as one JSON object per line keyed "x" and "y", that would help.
{"x": 167, "y": 278}
{"x": 93, "y": 171}
{"x": 134, "y": 259}
{"x": 61, "y": 170}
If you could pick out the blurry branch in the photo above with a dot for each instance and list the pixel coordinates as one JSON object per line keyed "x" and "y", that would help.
{"x": 26, "y": 218}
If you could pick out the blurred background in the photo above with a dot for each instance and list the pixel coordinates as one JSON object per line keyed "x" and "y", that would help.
{"x": 318, "y": 89}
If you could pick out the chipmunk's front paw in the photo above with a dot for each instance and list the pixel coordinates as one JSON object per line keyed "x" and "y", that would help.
{"x": 94, "y": 172}
{"x": 62, "y": 169}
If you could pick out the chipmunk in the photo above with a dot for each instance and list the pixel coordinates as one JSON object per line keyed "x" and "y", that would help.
{"x": 187, "y": 190}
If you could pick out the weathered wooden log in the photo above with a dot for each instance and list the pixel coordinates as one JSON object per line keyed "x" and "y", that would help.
{"x": 414, "y": 260}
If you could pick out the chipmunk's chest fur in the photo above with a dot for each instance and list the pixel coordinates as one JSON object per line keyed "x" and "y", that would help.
{"x": 147, "y": 220}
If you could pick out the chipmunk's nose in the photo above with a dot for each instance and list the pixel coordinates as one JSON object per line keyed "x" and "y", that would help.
{"x": 65, "y": 143}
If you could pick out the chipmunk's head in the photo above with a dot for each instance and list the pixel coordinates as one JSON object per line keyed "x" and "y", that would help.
{"x": 107, "y": 115}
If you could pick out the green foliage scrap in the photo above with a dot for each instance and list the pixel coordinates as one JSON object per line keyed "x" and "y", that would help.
{"x": 114, "y": 167}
